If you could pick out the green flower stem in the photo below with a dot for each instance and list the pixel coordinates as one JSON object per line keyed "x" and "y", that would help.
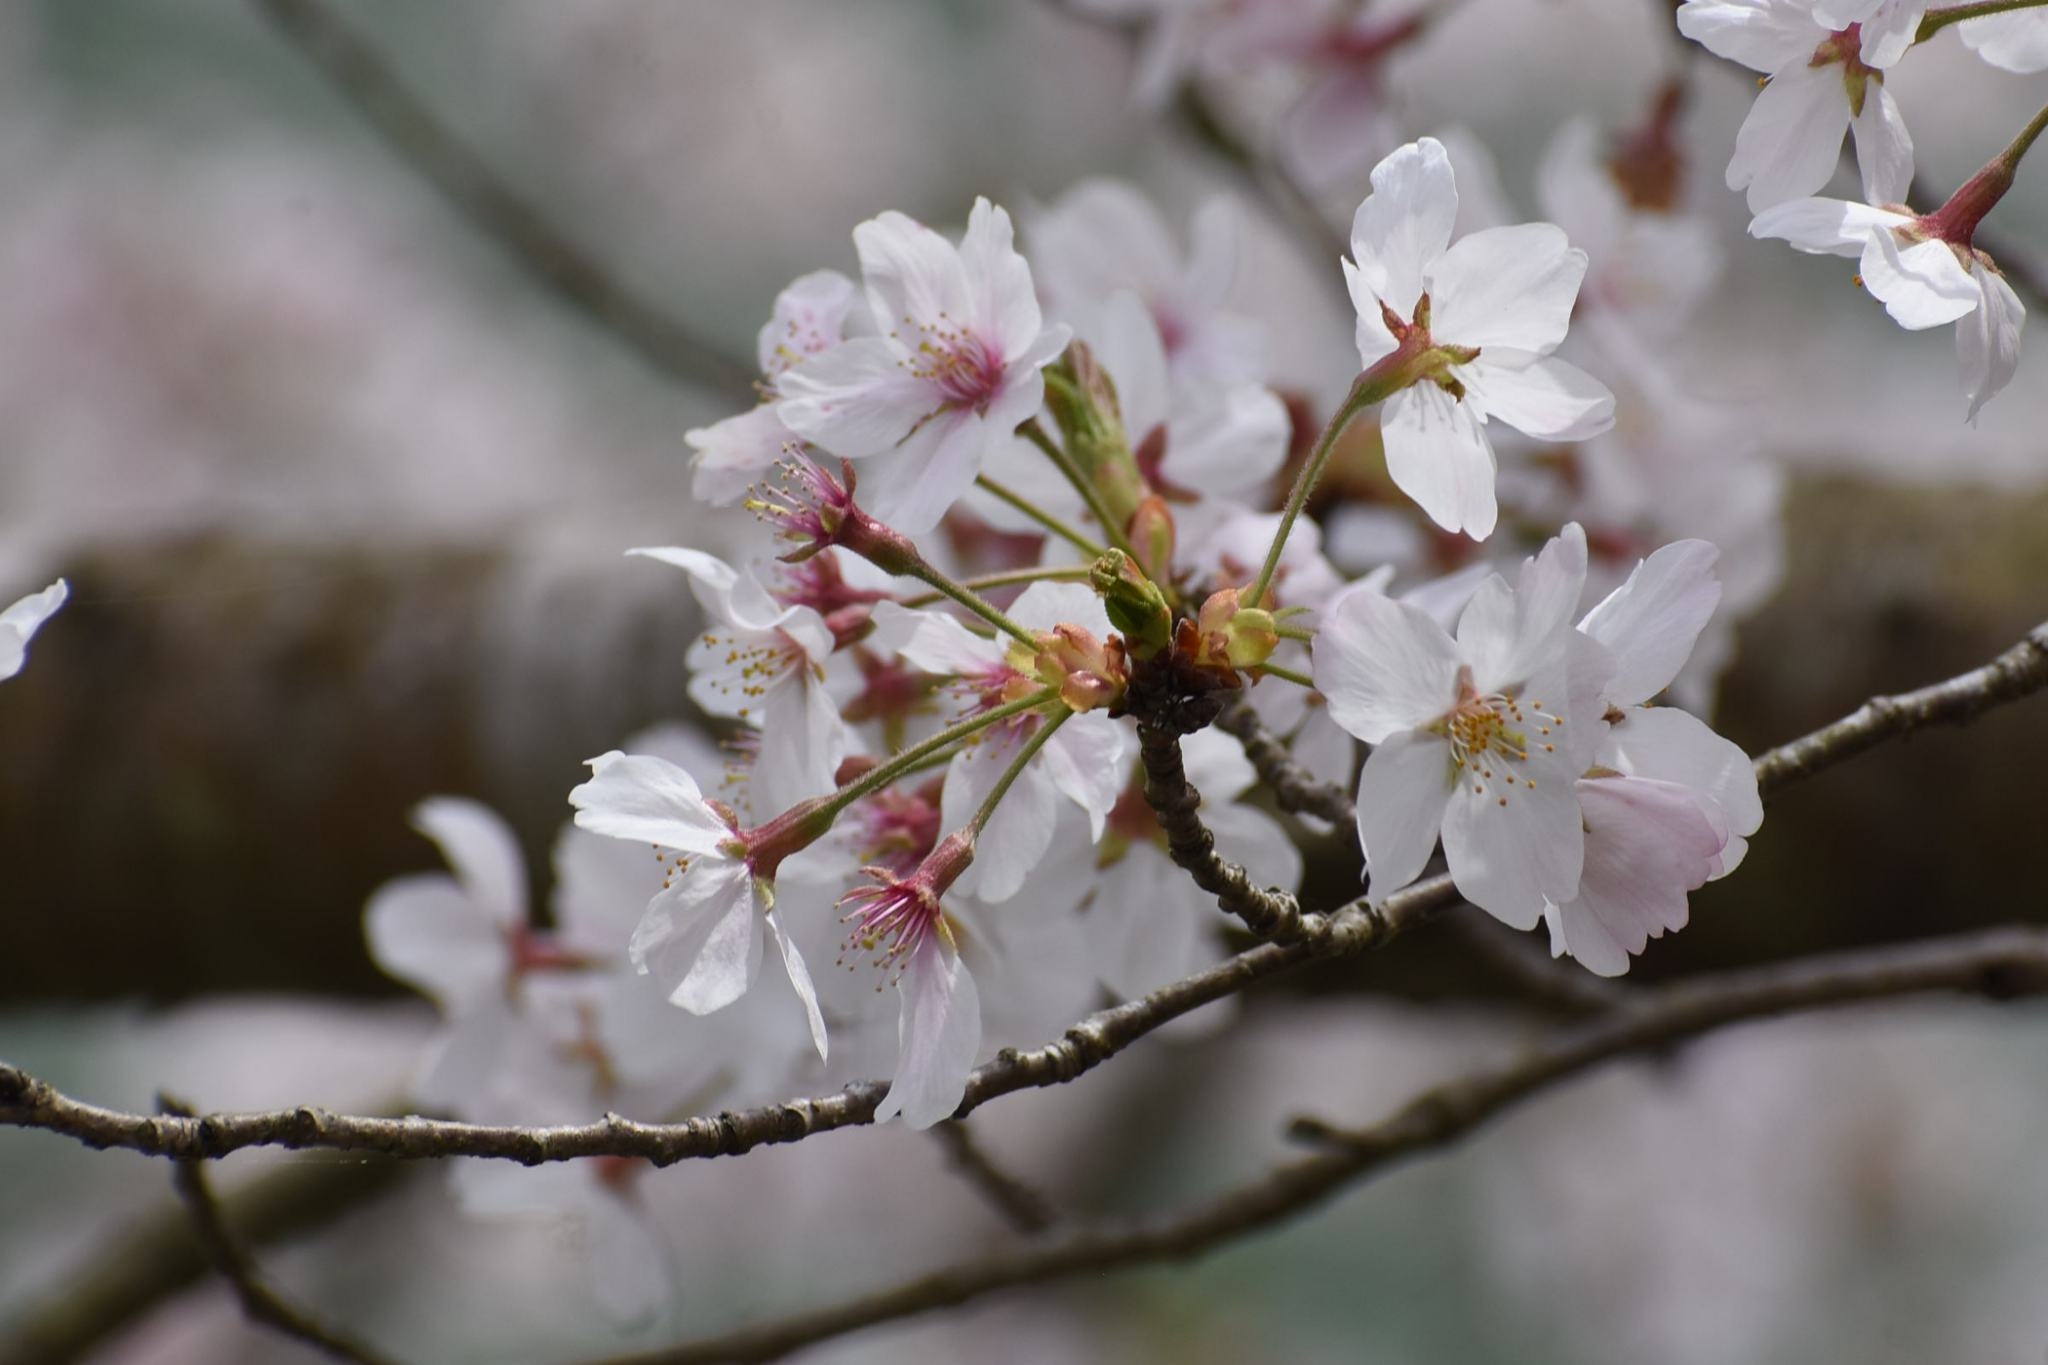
{"x": 1388, "y": 375}
{"x": 1289, "y": 675}
{"x": 1287, "y": 632}
{"x": 1053, "y": 721}
{"x": 1938, "y": 19}
{"x": 968, "y": 598}
{"x": 880, "y": 776}
{"x": 1042, "y": 517}
{"x": 1009, "y": 578}
{"x": 1090, "y": 494}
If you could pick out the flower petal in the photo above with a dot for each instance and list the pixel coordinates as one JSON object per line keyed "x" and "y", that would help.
{"x": 1512, "y": 849}
{"x": 1405, "y": 222}
{"x": 1763, "y": 35}
{"x": 1988, "y": 340}
{"x": 1670, "y": 745}
{"x": 479, "y": 846}
{"x": 1087, "y": 760}
{"x": 1549, "y": 399}
{"x": 938, "y": 1033}
{"x": 1647, "y": 844}
{"x": 1511, "y": 287}
{"x": 1650, "y": 622}
{"x": 1787, "y": 147}
{"x": 799, "y": 981}
{"x": 1884, "y": 149}
{"x": 20, "y": 622}
{"x": 427, "y": 932}
{"x": 701, "y": 939}
{"x": 1825, "y": 227}
{"x": 1922, "y": 285}
{"x": 649, "y": 800}
{"x": 1384, "y": 665}
{"x": 855, "y": 400}
{"x": 1401, "y": 799}
{"x": 1438, "y": 454}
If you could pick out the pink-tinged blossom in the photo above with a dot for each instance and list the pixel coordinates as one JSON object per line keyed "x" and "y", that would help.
{"x": 20, "y": 622}
{"x": 700, "y": 936}
{"x": 1478, "y": 737}
{"x": 1478, "y": 319}
{"x": 812, "y": 315}
{"x": 1824, "y": 79}
{"x": 1103, "y": 237}
{"x": 899, "y": 924}
{"x": 2016, "y": 42}
{"x": 953, "y": 373}
{"x": 764, "y": 663}
{"x": 1082, "y": 762}
{"x": 1925, "y": 275}
{"x": 1668, "y": 804}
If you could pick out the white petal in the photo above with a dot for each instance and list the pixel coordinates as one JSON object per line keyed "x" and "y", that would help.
{"x": 1787, "y": 147}
{"x": 1922, "y": 285}
{"x": 1020, "y": 831}
{"x": 1226, "y": 442}
{"x": 21, "y": 620}
{"x": 1647, "y": 844}
{"x": 913, "y": 486}
{"x": 938, "y": 1034}
{"x": 2013, "y": 42}
{"x": 733, "y": 455}
{"x": 932, "y": 640}
{"x": 1384, "y": 665}
{"x": 1216, "y": 765}
{"x": 1884, "y": 149}
{"x": 426, "y": 932}
{"x": 1988, "y": 340}
{"x": 1825, "y": 227}
{"x": 701, "y": 939}
{"x": 480, "y": 847}
{"x": 1509, "y": 636}
{"x": 1401, "y": 798}
{"x": 632, "y": 1270}
{"x": 1438, "y": 454}
{"x": 1763, "y": 35}
{"x": 1549, "y": 399}
{"x": 1087, "y": 760}
{"x": 1670, "y": 745}
{"x": 1141, "y": 923}
{"x": 1127, "y": 345}
{"x": 1405, "y": 223}
{"x": 1002, "y": 304}
{"x": 855, "y": 400}
{"x": 1370, "y": 335}
{"x": 799, "y": 981}
{"x": 1506, "y": 286}
{"x": 914, "y": 276}
{"x": 647, "y": 799}
{"x": 1650, "y": 622}
{"x": 1891, "y": 30}
{"x": 1045, "y": 605}
{"x": 803, "y": 740}
{"x": 1509, "y": 859}
{"x": 728, "y": 596}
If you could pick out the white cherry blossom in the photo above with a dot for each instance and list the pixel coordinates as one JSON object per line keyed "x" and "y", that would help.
{"x": 954, "y": 371}
{"x": 1477, "y": 318}
{"x": 1479, "y": 738}
{"x": 764, "y": 663}
{"x": 811, "y": 315}
{"x": 1824, "y": 78}
{"x": 20, "y": 622}
{"x": 1923, "y": 280}
{"x": 2016, "y": 42}
{"x": 700, "y": 936}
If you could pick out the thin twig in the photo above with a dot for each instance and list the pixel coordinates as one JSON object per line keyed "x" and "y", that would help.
{"x": 260, "y": 1302}
{"x": 2001, "y": 964}
{"x": 26, "y": 1102}
{"x": 1023, "y": 1207}
{"x": 1295, "y": 789}
{"x": 412, "y": 131}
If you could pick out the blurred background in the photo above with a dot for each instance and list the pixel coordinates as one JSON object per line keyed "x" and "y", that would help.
{"x": 341, "y": 487}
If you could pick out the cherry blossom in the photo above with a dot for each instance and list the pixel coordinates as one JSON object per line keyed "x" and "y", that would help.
{"x": 763, "y": 663}
{"x": 20, "y": 622}
{"x": 811, "y": 315}
{"x": 953, "y": 373}
{"x": 1082, "y": 762}
{"x": 1826, "y": 75}
{"x": 1467, "y": 329}
{"x": 1479, "y": 737}
{"x": 700, "y": 936}
{"x": 1924, "y": 273}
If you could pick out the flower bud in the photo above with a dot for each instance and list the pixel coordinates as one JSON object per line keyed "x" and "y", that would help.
{"x": 1152, "y": 535}
{"x": 1135, "y": 604}
{"x": 1084, "y": 405}
{"x": 1234, "y": 636}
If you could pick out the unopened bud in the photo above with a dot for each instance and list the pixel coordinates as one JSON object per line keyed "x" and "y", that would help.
{"x": 1084, "y": 405}
{"x": 1135, "y": 604}
{"x": 1152, "y": 535}
{"x": 1235, "y": 636}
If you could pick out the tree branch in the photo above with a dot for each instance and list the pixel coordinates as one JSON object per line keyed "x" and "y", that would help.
{"x": 1294, "y": 788}
{"x": 26, "y": 1102}
{"x": 410, "y": 129}
{"x": 259, "y": 1301}
{"x": 1024, "y": 1208}
{"x": 2001, "y": 964}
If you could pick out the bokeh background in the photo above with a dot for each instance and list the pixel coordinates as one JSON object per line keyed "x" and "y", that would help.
{"x": 341, "y": 487}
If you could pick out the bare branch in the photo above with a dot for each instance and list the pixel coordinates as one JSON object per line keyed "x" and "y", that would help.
{"x": 2019, "y": 672}
{"x": 259, "y": 1301}
{"x": 1294, "y": 788}
{"x": 2002, "y": 964}
{"x": 26, "y": 1102}
{"x": 1026, "y": 1209}
{"x": 412, "y": 131}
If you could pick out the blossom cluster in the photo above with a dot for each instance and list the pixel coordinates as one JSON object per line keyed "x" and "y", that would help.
{"x": 1013, "y": 509}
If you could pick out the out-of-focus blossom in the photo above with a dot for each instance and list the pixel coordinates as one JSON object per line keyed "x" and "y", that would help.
{"x": 2016, "y": 42}
{"x": 20, "y": 622}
